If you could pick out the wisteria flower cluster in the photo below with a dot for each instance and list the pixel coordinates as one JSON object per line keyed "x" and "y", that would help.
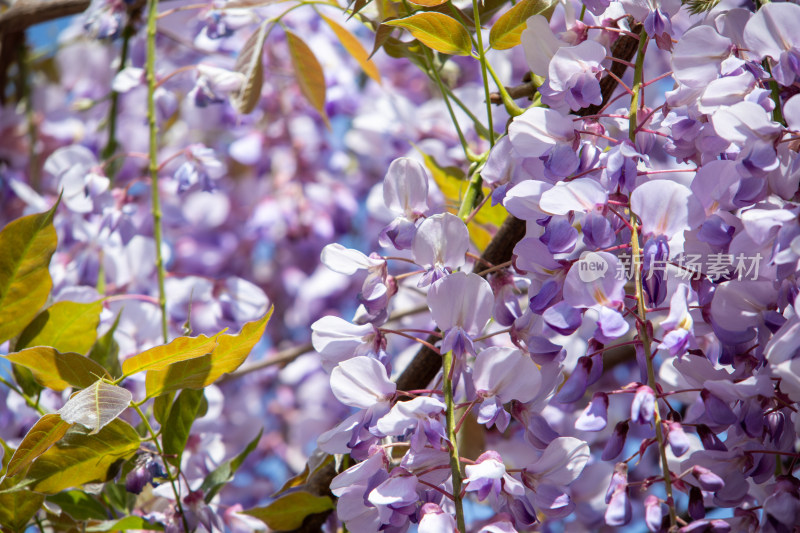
{"x": 524, "y": 267}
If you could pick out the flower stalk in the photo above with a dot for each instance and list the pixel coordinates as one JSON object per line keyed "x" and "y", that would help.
{"x": 152, "y": 18}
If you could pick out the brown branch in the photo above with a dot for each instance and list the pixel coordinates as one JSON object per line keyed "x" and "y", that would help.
{"x": 25, "y": 13}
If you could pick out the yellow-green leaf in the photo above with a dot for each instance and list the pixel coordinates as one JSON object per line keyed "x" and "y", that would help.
{"x": 80, "y": 458}
{"x": 96, "y": 406}
{"x": 309, "y": 73}
{"x": 27, "y": 245}
{"x": 428, "y": 3}
{"x": 507, "y": 30}
{"x": 65, "y": 326}
{"x": 438, "y": 31}
{"x": 354, "y": 48}
{"x": 451, "y": 180}
{"x": 57, "y": 370}
{"x": 124, "y": 524}
{"x": 251, "y": 65}
{"x": 162, "y": 356}
{"x": 198, "y": 373}
{"x": 288, "y": 512}
{"x": 18, "y": 507}
{"x": 45, "y": 432}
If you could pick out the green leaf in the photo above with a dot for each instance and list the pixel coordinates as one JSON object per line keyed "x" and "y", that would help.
{"x": 162, "y": 406}
{"x": 80, "y": 458}
{"x": 28, "y": 244}
{"x": 162, "y": 356}
{"x": 288, "y": 512}
{"x": 198, "y": 373}
{"x": 179, "y": 424}
{"x": 105, "y": 351}
{"x": 119, "y": 498}
{"x": 65, "y": 326}
{"x": 412, "y": 51}
{"x": 354, "y": 48}
{"x": 309, "y": 74}
{"x": 96, "y": 406}
{"x": 79, "y": 505}
{"x": 18, "y": 507}
{"x": 505, "y": 33}
{"x": 438, "y": 31}
{"x": 45, "y": 432}
{"x": 251, "y": 65}
{"x": 223, "y": 474}
{"x": 57, "y": 370}
{"x": 129, "y": 522}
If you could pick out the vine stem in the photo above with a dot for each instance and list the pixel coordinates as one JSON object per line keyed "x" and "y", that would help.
{"x": 28, "y": 400}
{"x": 152, "y": 18}
{"x": 455, "y": 464}
{"x": 638, "y": 75}
{"x": 476, "y": 14}
{"x": 160, "y": 450}
{"x": 111, "y": 143}
{"x": 644, "y": 334}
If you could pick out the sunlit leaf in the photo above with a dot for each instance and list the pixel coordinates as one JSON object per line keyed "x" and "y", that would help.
{"x": 79, "y": 458}
{"x": 45, "y": 432}
{"x": 438, "y": 31}
{"x": 65, "y": 326}
{"x": 223, "y": 474}
{"x": 453, "y": 184}
{"x": 309, "y": 73}
{"x": 96, "y": 406}
{"x": 162, "y": 356}
{"x": 179, "y": 424}
{"x": 198, "y": 373}
{"x": 105, "y": 350}
{"x": 354, "y": 48}
{"x": 428, "y": 3}
{"x": 251, "y": 65}
{"x": 28, "y": 244}
{"x": 124, "y": 524}
{"x": 506, "y": 31}
{"x": 289, "y": 511}
{"x": 18, "y": 507}
{"x": 57, "y": 370}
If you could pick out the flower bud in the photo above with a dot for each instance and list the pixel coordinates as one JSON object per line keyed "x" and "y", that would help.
{"x": 643, "y": 405}
{"x": 708, "y": 480}
{"x": 616, "y": 442}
